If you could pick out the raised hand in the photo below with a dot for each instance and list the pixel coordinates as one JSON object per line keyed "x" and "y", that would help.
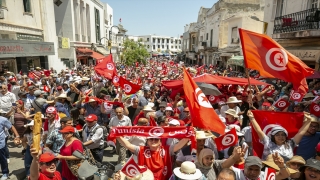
{"x": 278, "y": 160}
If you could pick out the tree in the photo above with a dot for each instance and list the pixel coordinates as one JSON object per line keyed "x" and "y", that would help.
{"x": 134, "y": 52}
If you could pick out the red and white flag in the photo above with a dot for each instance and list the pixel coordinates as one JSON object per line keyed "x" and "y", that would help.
{"x": 127, "y": 86}
{"x": 264, "y": 54}
{"x": 227, "y": 140}
{"x": 281, "y": 104}
{"x": 131, "y": 168}
{"x": 213, "y": 99}
{"x": 106, "y": 67}
{"x": 269, "y": 174}
{"x": 315, "y": 109}
{"x": 270, "y": 92}
{"x": 115, "y": 80}
{"x": 316, "y": 98}
{"x": 292, "y": 122}
{"x": 202, "y": 113}
{"x": 296, "y": 96}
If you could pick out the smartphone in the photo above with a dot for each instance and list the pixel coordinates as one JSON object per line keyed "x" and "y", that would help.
{"x": 14, "y": 104}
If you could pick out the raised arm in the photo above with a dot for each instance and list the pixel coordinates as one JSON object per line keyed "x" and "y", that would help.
{"x": 180, "y": 144}
{"x": 256, "y": 126}
{"x": 297, "y": 138}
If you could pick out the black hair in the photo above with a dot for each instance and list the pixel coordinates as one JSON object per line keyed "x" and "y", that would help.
{"x": 28, "y": 130}
{"x": 228, "y": 171}
{"x": 286, "y": 144}
{"x": 161, "y": 119}
{"x": 65, "y": 119}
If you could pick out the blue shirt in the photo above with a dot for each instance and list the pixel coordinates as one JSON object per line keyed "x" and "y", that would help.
{"x": 4, "y": 123}
{"x": 307, "y": 146}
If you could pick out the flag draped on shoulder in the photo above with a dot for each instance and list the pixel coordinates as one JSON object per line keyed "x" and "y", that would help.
{"x": 106, "y": 67}
{"x": 271, "y": 60}
{"x": 202, "y": 113}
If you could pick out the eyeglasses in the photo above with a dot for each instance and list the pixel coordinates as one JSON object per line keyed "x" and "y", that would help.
{"x": 50, "y": 162}
{"x": 313, "y": 170}
{"x": 154, "y": 139}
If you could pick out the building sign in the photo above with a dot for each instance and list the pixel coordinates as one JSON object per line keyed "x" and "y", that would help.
{"x": 14, "y": 48}
{"x": 29, "y": 37}
{"x": 306, "y": 55}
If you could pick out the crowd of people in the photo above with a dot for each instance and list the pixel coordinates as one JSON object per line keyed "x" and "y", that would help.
{"x": 80, "y": 109}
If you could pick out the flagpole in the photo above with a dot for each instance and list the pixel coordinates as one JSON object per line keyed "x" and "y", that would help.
{"x": 249, "y": 85}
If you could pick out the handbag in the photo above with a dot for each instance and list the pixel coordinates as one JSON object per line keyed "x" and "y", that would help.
{"x": 74, "y": 165}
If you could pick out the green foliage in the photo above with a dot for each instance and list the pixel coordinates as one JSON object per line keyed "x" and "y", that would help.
{"x": 134, "y": 52}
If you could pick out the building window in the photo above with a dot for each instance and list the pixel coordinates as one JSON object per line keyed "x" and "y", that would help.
{"x": 179, "y": 41}
{"x": 313, "y": 4}
{"x": 234, "y": 35}
{"x": 167, "y": 46}
{"x": 162, "y": 40}
{"x": 153, "y": 40}
{"x": 162, "y": 46}
{"x": 179, "y": 47}
{"x": 176, "y": 47}
{"x": 167, "y": 40}
{"x": 148, "y": 39}
{"x": 171, "y": 47}
{"x": 154, "y": 47}
{"x": 211, "y": 37}
{"x": 27, "y": 6}
{"x": 207, "y": 36}
{"x": 97, "y": 24}
{"x": 158, "y": 46}
{"x": 279, "y": 11}
{"x": 2, "y": 3}
{"x": 158, "y": 40}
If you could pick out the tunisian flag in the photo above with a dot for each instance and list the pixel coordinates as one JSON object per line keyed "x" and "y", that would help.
{"x": 292, "y": 122}
{"x": 227, "y": 140}
{"x": 106, "y": 67}
{"x": 127, "y": 86}
{"x": 132, "y": 169}
{"x": 315, "y": 109}
{"x": 281, "y": 104}
{"x": 202, "y": 113}
{"x": 271, "y": 60}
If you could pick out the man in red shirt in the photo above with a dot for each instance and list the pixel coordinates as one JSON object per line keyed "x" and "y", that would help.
{"x": 46, "y": 163}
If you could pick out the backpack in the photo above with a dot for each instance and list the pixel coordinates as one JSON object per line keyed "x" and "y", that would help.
{"x": 104, "y": 137}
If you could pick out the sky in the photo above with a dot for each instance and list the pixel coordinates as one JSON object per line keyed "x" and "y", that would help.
{"x": 160, "y": 17}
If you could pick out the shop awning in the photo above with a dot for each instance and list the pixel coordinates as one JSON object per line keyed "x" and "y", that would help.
{"x": 102, "y": 51}
{"x": 236, "y": 60}
{"x": 84, "y": 50}
{"x": 96, "y": 55}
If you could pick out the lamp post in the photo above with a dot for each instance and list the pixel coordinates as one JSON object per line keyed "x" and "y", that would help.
{"x": 110, "y": 32}
{"x": 101, "y": 39}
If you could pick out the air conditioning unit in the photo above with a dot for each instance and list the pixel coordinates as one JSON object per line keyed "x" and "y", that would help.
{"x": 1, "y": 14}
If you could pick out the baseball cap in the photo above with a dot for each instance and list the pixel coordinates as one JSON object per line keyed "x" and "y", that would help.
{"x": 266, "y": 104}
{"x": 67, "y": 129}
{"x": 59, "y": 87}
{"x": 37, "y": 92}
{"x": 253, "y": 160}
{"x": 174, "y": 122}
{"x": 46, "y": 157}
{"x": 91, "y": 118}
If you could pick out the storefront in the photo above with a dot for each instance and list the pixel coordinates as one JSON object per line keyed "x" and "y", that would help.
{"x": 16, "y": 55}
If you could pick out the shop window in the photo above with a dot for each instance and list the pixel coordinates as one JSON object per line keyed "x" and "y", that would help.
{"x": 27, "y": 6}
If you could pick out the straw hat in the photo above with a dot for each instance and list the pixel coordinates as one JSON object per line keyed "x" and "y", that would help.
{"x": 309, "y": 95}
{"x": 147, "y": 175}
{"x": 233, "y": 99}
{"x": 187, "y": 170}
{"x": 232, "y": 112}
{"x": 64, "y": 96}
{"x": 202, "y": 135}
{"x": 296, "y": 159}
{"x": 269, "y": 162}
{"x": 147, "y": 108}
{"x": 85, "y": 78}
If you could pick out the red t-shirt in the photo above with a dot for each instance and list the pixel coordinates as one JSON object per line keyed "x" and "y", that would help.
{"x": 67, "y": 151}
{"x": 56, "y": 176}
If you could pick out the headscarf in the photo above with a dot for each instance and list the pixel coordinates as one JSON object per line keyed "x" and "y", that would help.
{"x": 208, "y": 171}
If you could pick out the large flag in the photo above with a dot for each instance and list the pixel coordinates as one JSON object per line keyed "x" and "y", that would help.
{"x": 271, "y": 60}
{"x": 227, "y": 140}
{"x": 127, "y": 86}
{"x": 292, "y": 122}
{"x": 106, "y": 67}
{"x": 202, "y": 113}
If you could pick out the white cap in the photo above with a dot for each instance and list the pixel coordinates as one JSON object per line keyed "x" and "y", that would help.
{"x": 168, "y": 109}
{"x": 174, "y": 122}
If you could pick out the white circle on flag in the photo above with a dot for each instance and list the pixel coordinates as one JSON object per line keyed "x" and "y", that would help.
{"x": 277, "y": 59}
{"x": 267, "y": 129}
{"x": 110, "y": 66}
{"x": 296, "y": 96}
{"x": 202, "y": 99}
{"x": 132, "y": 171}
{"x": 127, "y": 88}
{"x": 271, "y": 176}
{"x": 115, "y": 79}
{"x": 156, "y": 131}
{"x": 316, "y": 108}
{"x": 212, "y": 98}
{"x": 147, "y": 153}
{"x": 282, "y": 104}
{"x": 228, "y": 139}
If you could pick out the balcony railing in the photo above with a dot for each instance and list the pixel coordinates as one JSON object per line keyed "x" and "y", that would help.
{"x": 298, "y": 21}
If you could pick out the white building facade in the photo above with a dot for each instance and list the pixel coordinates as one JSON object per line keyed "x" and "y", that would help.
{"x": 26, "y": 41}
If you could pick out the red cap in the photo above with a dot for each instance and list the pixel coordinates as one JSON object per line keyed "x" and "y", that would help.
{"x": 266, "y": 104}
{"x": 67, "y": 129}
{"x": 91, "y": 118}
{"x": 59, "y": 87}
{"x": 318, "y": 147}
{"x": 46, "y": 157}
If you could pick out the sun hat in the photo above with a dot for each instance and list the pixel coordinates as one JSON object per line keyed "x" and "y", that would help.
{"x": 46, "y": 157}
{"x": 163, "y": 104}
{"x": 174, "y": 122}
{"x": 277, "y": 129}
{"x": 50, "y": 100}
{"x": 202, "y": 135}
{"x": 233, "y": 99}
{"x": 168, "y": 109}
{"x": 269, "y": 162}
{"x": 85, "y": 78}
{"x": 309, "y": 95}
{"x": 311, "y": 163}
{"x": 187, "y": 171}
{"x": 67, "y": 129}
{"x": 31, "y": 123}
{"x": 91, "y": 118}
{"x": 253, "y": 160}
{"x": 296, "y": 159}
{"x": 147, "y": 175}
{"x": 231, "y": 112}
{"x": 64, "y": 96}
{"x": 238, "y": 129}
{"x": 147, "y": 108}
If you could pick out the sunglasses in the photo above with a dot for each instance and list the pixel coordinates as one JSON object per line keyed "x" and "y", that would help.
{"x": 50, "y": 162}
